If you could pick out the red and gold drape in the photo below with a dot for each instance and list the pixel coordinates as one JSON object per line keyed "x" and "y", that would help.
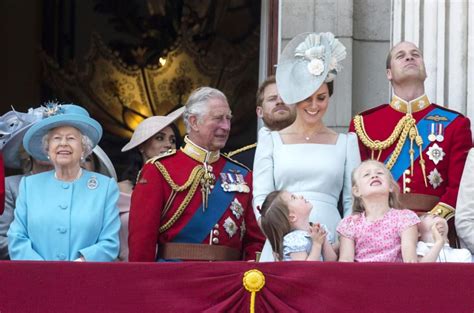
{"x": 218, "y": 287}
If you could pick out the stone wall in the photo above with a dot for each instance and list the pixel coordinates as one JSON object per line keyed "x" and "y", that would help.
{"x": 363, "y": 26}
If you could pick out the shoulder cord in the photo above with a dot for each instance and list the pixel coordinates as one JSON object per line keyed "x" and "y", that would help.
{"x": 192, "y": 183}
{"x": 400, "y": 132}
{"x": 245, "y": 148}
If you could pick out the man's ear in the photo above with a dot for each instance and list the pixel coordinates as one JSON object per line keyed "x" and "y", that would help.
{"x": 389, "y": 74}
{"x": 259, "y": 111}
{"x": 193, "y": 122}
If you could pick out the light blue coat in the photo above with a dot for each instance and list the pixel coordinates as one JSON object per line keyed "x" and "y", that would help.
{"x": 58, "y": 221}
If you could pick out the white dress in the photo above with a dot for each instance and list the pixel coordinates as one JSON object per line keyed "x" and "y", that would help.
{"x": 319, "y": 172}
{"x": 447, "y": 254}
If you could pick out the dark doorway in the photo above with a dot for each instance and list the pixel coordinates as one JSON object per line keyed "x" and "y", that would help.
{"x": 125, "y": 60}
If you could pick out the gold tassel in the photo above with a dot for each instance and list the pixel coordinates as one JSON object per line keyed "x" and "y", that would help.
{"x": 412, "y": 135}
{"x": 419, "y": 142}
{"x": 253, "y": 281}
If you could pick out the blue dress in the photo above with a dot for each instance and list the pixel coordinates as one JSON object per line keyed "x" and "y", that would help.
{"x": 319, "y": 172}
{"x": 60, "y": 221}
{"x": 296, "y": 241}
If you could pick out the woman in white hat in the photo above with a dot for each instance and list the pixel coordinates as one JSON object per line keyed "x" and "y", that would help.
{"x": 15, "y": 157}
{"x": 308, "y": 158}
{"x": 155, "y": 135}
{"x": 68, "y": 213}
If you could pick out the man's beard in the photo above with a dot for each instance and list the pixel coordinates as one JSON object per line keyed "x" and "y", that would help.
{"x": 279, "y": 124}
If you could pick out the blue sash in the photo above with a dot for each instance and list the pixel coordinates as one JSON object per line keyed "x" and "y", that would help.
{"x": 202, "y": 223}
{"x": 424, "y": 129}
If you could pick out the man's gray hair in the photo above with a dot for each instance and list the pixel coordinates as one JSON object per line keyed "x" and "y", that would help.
{"x": 197, "y": 103}
{"x": 87, "y": 145}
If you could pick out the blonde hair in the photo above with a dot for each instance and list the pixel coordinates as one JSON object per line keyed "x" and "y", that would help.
{"x": 275, "y": 221}
{"x": 393, "y": 196}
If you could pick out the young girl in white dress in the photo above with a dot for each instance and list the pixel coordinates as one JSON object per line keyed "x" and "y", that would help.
{"x": 377, "y": 230}
{"x": 285, "y": 222}
{"x": 433, "y": 244}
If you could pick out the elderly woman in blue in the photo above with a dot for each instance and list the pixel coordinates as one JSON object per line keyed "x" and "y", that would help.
{"x": 67, "y": 213}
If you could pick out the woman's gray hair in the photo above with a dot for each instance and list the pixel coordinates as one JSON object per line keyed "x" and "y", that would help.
{"x": 197, "y": 103}
{"x": 87, "y": 145}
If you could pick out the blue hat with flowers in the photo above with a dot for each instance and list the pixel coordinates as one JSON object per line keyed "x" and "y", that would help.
{"x": 56, "y": 115}
{"x": 13, "y": 126}
{"x": 308, "y": 61}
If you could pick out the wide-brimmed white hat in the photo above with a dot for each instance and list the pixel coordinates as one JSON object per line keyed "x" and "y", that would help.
{"x": 149, "y": 127}
{"x": 56, "y": 115}
{"x": 13, "y": 127}
{"x": 308, "y": 61}
{"x": 105, "y": 167}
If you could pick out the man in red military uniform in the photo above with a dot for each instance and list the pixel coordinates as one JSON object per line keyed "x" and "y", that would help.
{"x": 195, "y": 204}
{"x": 423, "y": 144}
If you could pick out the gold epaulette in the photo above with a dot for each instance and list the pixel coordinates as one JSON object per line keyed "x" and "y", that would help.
{"x": 161, "y": 156}
{"x": 444, "y": 210}
{"x": 153, "y": 160}
{"x": 245, "y": 148}
{"x": 227, "y": 157}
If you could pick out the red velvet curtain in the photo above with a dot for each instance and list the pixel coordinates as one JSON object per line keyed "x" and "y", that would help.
{"x": 217, "y": 287}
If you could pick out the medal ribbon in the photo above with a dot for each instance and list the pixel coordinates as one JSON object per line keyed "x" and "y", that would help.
{"x": 423, "y": 126}
{"x": 202, "y": 222}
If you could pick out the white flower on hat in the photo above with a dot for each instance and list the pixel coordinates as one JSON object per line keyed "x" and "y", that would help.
{"x": 312, "y": 50}
{"x": 316, "y": 67}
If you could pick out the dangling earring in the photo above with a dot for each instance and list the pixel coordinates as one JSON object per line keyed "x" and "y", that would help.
{"x": 48, "y": 157}
{"x": 82, "y": 159}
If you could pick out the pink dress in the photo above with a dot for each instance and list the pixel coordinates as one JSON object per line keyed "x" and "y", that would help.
{"x": 380, "y": 240}
{"x": 124, "y": 209}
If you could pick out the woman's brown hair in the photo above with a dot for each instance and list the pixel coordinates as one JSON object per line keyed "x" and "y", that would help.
{"x": 275, "y": 222}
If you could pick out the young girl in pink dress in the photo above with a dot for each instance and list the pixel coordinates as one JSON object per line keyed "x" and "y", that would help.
{"x": 285, "y": 222}
{"x": 378, "y": 230}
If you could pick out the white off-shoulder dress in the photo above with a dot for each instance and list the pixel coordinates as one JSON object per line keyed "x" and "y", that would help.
{"x": 319, "y": 172}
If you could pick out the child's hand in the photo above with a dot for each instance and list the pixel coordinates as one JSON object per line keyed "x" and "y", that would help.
{"x": 318, "y": 234}
{"x": 441, "y": 226}
{"x": 436, "y": 230}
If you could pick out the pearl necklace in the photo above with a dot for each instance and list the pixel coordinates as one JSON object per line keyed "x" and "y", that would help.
{"x": 77, "y": 176}
{"x": 315, "y": 132}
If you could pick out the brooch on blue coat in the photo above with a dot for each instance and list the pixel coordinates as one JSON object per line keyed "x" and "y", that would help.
{"x": 92, "y": 183}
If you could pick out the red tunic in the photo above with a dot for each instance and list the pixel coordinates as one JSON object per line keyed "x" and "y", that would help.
{"x": 380, "y": 122}
{"x": 151, "y": 194}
